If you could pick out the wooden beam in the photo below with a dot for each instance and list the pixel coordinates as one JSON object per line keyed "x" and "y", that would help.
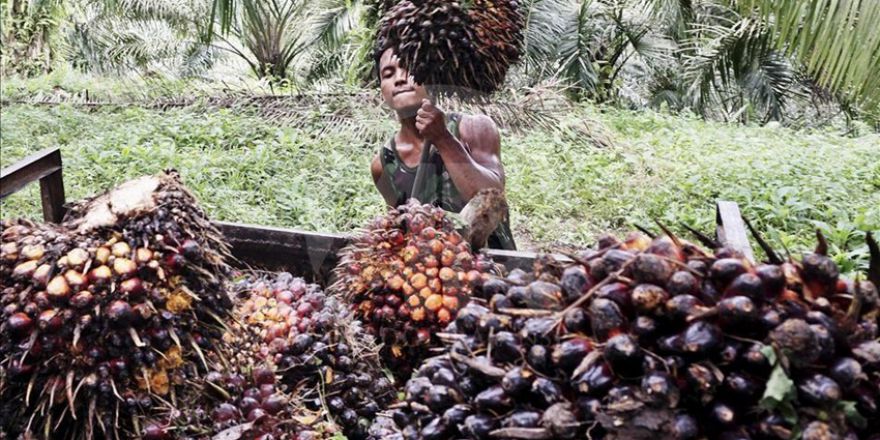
{"x": 731, "y": 230}
{"x": 44, "y": 166}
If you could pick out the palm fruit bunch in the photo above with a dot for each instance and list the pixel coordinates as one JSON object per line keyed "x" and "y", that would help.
{"x": 407, "y": 274}
{"x": 461, "y": 46}
{"x": 245, "y": 401}
{"x": 319, "y": 350}
{"x": 656, "y": 338}
{"x": 105, "y": 316}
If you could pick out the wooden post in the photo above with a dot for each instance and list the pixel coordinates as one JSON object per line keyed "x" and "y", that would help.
{"x": 731, "y": 229}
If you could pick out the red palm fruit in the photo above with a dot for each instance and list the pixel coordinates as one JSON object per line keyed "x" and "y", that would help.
{"x": 434, "y": 302}
{"x": 25, "y": 270}
{"x": 418, "y": 281}
{"x": 102, "y": 255}
{"x": 41, "y": 275}
{"x": 450, "y": 302}
{"x": 33, "y": 251}
{"x": 132, "y": 286}
{"x": 75, "y": 279}
{"x": 444, "y": 316}
{"x": 50, "y": 320}
{"x": 124, "y": 267}
{"x": 636, "y": 242}
{"x": 447, "y": 274}
{"x": 792, "y": 275}
{"x": 121, "y": 249}
{"x": 447, "y": 257}
{"x": 418, "y": 314}
{"x": 58, "y": 287}
{"x": 143, "y": 255}
{"x": 77, "y": 257}
{"x": 100, "y": 275}
{"x": 20, "y": 324}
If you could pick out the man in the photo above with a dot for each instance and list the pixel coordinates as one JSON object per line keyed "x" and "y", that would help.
{"x": 465, "y": 155}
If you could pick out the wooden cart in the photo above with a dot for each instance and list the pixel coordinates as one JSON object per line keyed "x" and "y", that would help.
{"x": 309, "y": 254}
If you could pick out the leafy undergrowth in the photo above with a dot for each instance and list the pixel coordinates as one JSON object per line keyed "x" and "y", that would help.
{"x": 562, "y": 188}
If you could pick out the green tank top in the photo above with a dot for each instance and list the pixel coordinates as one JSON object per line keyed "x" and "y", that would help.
{"x": 398, "y": 178}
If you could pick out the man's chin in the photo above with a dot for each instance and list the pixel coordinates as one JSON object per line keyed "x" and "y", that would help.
{"x": 407, "y": 108}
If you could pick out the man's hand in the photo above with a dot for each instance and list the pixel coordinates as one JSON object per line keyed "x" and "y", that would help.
{"x": 431, "y": 123}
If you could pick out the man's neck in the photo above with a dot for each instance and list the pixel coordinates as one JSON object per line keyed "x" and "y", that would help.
{"x": 408, "y": 133}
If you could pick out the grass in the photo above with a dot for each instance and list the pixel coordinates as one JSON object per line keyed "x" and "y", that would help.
{"x": 563, "y": 190}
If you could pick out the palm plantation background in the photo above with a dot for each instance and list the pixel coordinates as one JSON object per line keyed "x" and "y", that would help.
{"x": 732, "y": 60}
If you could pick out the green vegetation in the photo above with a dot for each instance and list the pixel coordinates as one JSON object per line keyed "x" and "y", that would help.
{"x": 563, "y": 189}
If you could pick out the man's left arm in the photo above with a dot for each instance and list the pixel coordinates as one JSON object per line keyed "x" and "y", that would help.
{"x": 474, "y": 162}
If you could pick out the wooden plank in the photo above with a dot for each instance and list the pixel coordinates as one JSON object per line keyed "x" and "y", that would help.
{"x": 313, "y": 254}
{"x": 731, "y": 230}
{"x": 30, "y": 169}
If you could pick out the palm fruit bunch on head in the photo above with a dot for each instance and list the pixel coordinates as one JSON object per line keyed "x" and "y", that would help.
{"x": 407, "y": 275}
{"x": 656, "y": 338}
{"x": 460, "y": 47}
{"x": 106, "y": 315}
{"x": 319, "y": 350}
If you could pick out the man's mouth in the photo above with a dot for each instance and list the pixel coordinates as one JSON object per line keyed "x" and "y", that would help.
{"x": 397, "y": 92}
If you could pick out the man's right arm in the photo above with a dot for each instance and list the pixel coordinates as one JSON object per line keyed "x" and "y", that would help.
{"x": 382, "y": 183}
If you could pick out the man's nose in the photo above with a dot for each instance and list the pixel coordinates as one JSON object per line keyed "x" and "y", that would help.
{"x": 401, "y": 77}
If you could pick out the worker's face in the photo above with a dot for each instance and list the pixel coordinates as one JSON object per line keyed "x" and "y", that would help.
{"x": 399, "y": 90}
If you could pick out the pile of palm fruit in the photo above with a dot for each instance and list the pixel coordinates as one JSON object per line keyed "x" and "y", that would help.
{"x": 407, "y": 275}
{"x": 321, "y": 354}
{"x": 461, "y": 46}
{"x": 656, "y": 338}
{"x": 106, "y": 316}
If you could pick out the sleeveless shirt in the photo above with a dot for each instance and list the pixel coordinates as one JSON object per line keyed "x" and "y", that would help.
{"x": 439, "y": 188}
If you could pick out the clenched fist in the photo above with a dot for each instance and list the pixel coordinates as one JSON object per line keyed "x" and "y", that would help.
{"x": 431, "y": 122}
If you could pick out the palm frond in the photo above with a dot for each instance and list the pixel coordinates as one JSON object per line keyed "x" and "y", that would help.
{"x": 837, "y": 41}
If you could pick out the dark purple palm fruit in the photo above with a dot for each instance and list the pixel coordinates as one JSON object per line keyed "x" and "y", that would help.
{"x": 748, "y": 285}
{"x": 661, "y": 389}
{"x": 797, "y": 341}
{"x": 819, "y": 274}
{"x": 561, "y": 421}
{"x": 772, "y": 280}
{"x": 575, "y": 282}
{"x": 648, "y": 298}
{"x": 624, "y": 355}
{"x": 683, "y": 282}
{"x": 847, "y": 372}
{"x": 701, "y": 338}
{"x": 651, "y": 269}
{"x": 606, "y": 318}
{"x": 684, "y": 427}
{"x": 725, "y": 270}
{"x": 567, "y": 354}
{"x": 820, "y": 390}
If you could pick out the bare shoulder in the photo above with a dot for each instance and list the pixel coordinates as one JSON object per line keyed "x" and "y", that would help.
{"x": 480, "y": 132}
{"x": 376, "y": 167}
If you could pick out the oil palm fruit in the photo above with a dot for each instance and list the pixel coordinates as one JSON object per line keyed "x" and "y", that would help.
{"x": 644, "y": 338}
{"x": 407, "y": 275}
{"x": 316, "y": 346}
{"x": 107, "y": 315}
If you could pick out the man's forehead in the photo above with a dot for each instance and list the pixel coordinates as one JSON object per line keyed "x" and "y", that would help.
{"x": 389, "y": 58}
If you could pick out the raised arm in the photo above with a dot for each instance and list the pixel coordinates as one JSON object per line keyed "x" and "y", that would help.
{"x": 474, "y": 162}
